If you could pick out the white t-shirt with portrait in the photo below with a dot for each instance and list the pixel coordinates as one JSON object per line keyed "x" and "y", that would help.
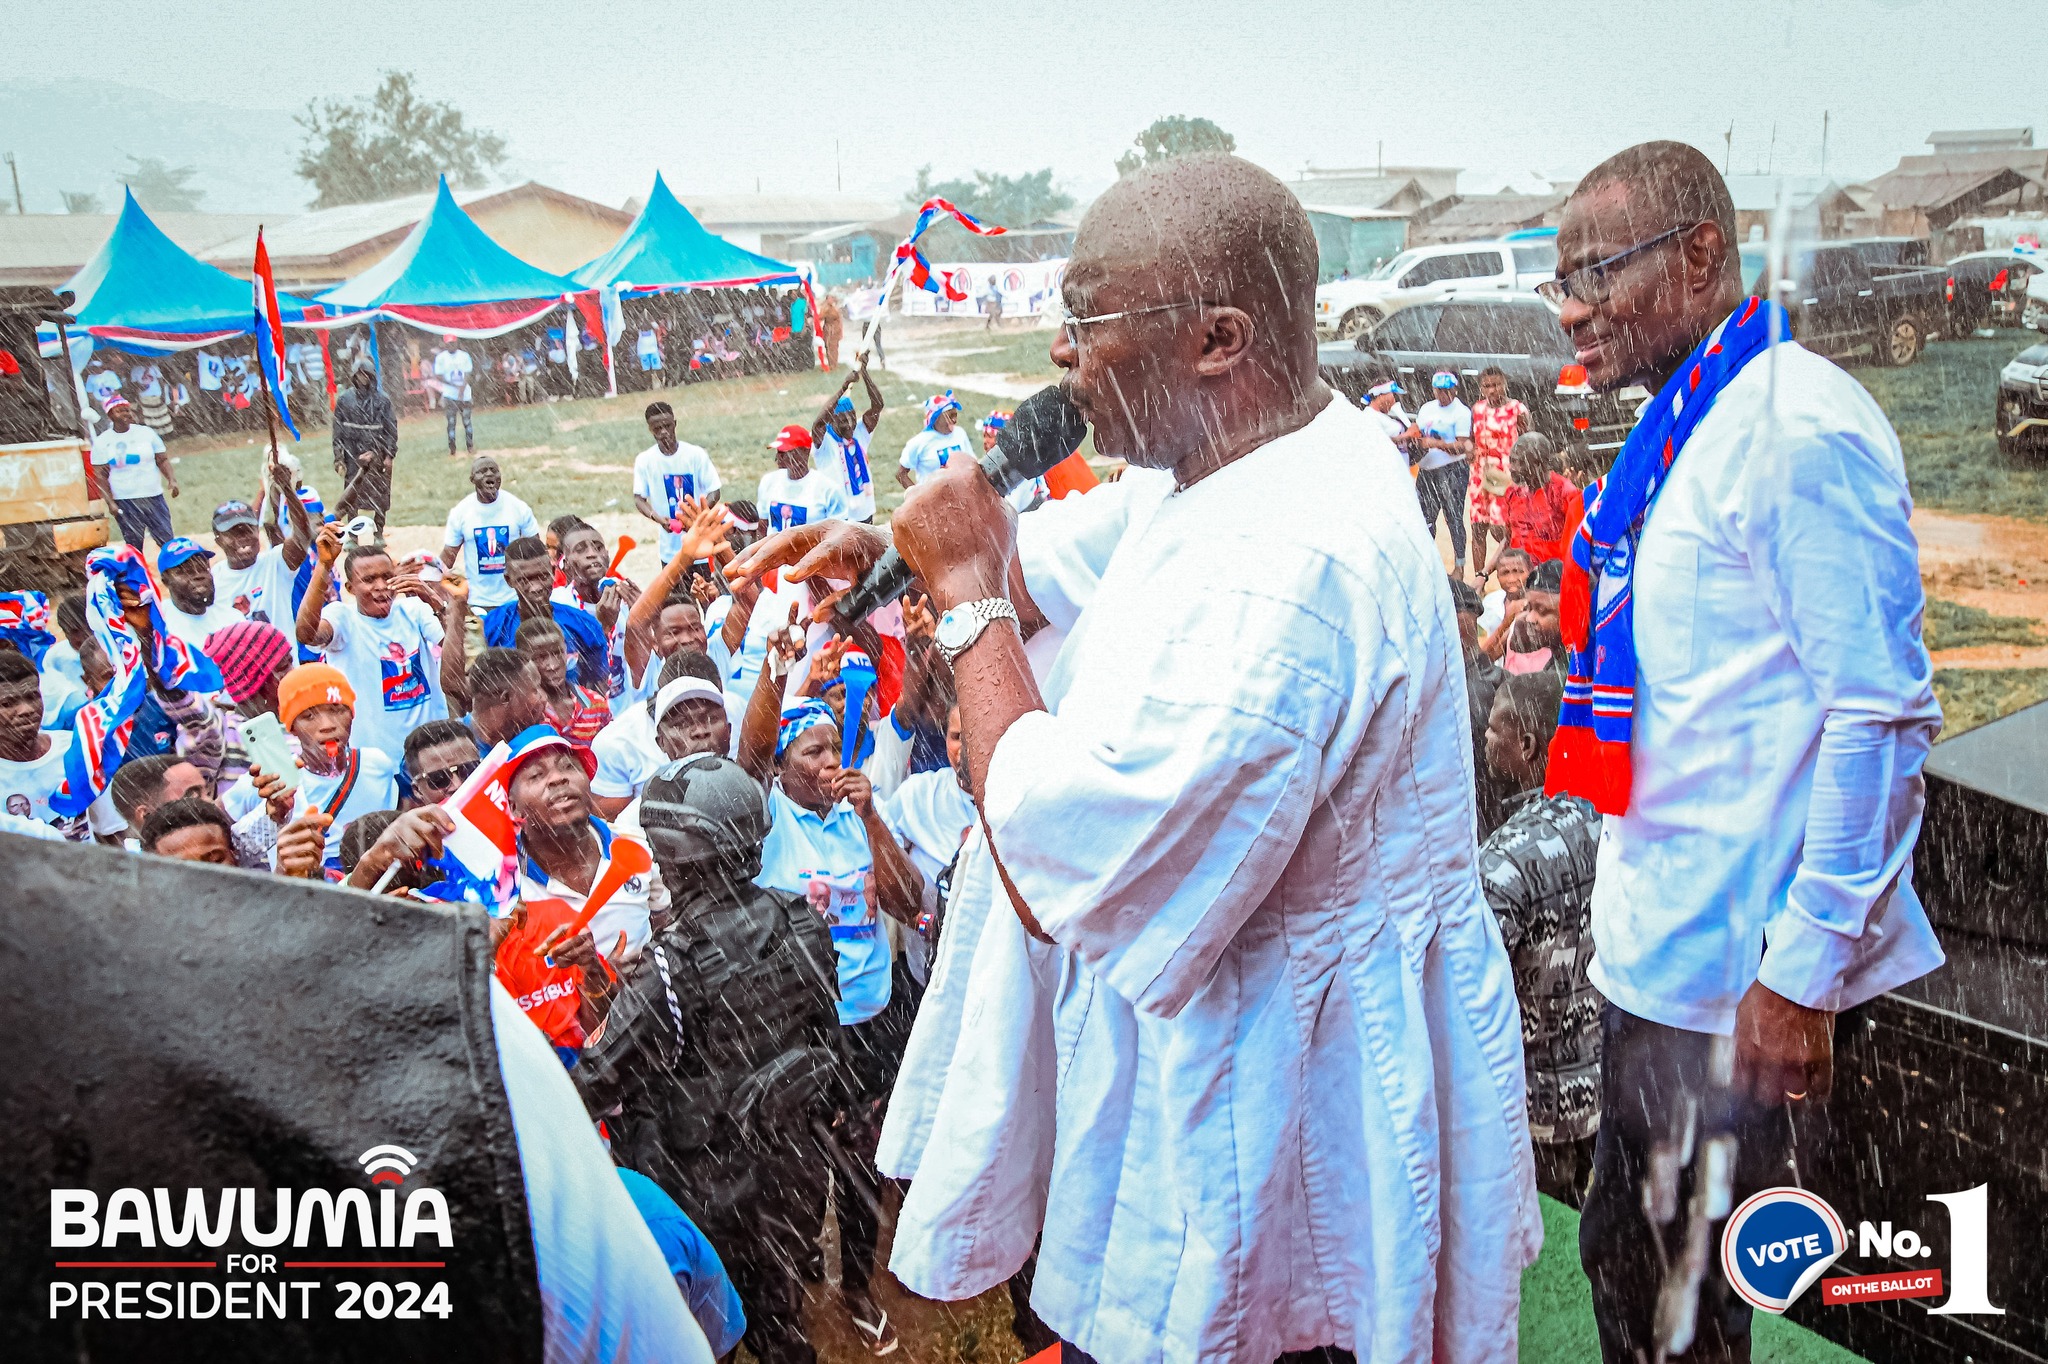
{"x": 26, "y": 788}
{"x": 1452, "y": 421}
{"x": 787, "y": 502}
{"x": 392, "y": 665}
{"x": 666, "y": 479}
{"x": 129, "y": 458}
{"x": 846, "y": 461}
{"x": 453, "y": 368}
{"x": 927, "y": 452}
{"x": 482, "y": 530}
{"x": 262, "y": 591}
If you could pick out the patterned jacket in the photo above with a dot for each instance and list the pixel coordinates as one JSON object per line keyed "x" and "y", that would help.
{"x": 1537, "y": 869}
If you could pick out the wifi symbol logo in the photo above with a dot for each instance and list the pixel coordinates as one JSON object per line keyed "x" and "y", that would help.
{"x": 387, "y": 1164}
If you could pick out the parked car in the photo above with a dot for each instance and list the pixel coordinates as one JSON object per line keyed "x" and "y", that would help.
{"x": 1988, "y": 289}
{"x": 1425, "y": 274}
{"x": 1866, "y": 297}
{"x": 2034, "y": 312}
{"x": 1517, "y": 332}
{"x": 2021, "y": 416}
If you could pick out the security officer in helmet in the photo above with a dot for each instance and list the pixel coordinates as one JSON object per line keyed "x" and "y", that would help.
{"x": 719, "y": 1067}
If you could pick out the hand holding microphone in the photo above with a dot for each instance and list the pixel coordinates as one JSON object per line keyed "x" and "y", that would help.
{"x": 1045, "y": 430}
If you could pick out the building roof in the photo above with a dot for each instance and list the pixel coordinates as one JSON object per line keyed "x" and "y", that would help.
{"x": 1478, "y": 217}
{"x": 1759, "y": 193}
{"x": 2010, "y": 138}
{"x": 1935, "y": 189}
{"x": 786, "y": 210}
{"x": 329, "y": 238}
{"x": 1360, "y": 190}
{"x": 447, "y": 261}
{"x": 48, "y": 248}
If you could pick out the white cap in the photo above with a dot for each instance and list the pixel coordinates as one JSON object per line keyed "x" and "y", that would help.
{"x": 683, "y": 689}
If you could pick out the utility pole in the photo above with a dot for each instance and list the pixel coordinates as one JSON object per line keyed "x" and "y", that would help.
{"x": 838, "y": 179}
{"x": 16, "y": 172}
{"x": 1771, "y": 156}
{"x": 1379, "y": 159}
{"x": 1823, "y": 144}
{"x": 1728, "y": 148}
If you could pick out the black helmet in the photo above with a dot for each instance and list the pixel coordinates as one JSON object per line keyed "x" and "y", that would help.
{"x": 704, "y": 815}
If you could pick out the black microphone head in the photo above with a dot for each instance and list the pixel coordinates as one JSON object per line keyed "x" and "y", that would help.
{"x": 1045, "y": 430}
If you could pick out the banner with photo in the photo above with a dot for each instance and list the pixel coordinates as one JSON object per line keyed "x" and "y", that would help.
{"x": 1028, "y": 289}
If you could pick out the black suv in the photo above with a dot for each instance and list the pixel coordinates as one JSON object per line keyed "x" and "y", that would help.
{"x": 1518, "y": 333}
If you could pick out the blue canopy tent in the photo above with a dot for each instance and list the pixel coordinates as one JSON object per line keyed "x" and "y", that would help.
{"x": 667, "y": 250}
{"x": 449, "y": 276}
{"x": 143, "y": 293}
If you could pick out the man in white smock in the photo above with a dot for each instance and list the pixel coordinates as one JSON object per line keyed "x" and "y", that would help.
{"x": 1287, "y": 1117}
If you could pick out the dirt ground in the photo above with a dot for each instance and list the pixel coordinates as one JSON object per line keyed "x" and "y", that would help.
{"x": 1998, "y": 563}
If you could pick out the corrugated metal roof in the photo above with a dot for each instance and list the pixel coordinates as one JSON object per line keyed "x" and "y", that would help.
{"x": 1932, "y": 189}
{"x": 323, "y": 236}
{"x": 63, "y": 242}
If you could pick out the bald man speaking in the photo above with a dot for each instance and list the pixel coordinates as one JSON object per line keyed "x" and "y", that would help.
{"x": 1288, "y": 1104}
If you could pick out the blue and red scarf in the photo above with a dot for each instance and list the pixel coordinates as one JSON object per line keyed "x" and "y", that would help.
{"x": 1589, "y": 757}
{"x": 100, "y": 731}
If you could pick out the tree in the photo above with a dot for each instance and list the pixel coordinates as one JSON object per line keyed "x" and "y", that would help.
{"x": 393, "y": 143}
{"x": 79, "y": 202}
{"x": 1010, "y": 201}
{"x": 161, "y": 187}
{"x": 1176, "y": 135}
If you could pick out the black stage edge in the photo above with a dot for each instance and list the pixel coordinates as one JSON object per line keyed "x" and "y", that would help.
{"x": 177, "y": 1026}
{"x": 1943, "y": 1085}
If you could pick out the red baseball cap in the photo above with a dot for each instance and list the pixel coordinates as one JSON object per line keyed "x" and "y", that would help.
{"x": 791, "y": 437}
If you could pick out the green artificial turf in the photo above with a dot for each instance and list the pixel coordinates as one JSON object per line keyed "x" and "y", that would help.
{"x": 1557, "y": 1309}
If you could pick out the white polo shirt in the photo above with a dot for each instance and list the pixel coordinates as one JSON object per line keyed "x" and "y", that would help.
{"x": 628, "y": 908}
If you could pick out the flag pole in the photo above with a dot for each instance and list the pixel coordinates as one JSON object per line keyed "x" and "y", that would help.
{"x": 269, "y": 411}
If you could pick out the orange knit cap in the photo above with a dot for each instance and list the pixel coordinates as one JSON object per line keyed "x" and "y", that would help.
{"x": 309, "y": 685}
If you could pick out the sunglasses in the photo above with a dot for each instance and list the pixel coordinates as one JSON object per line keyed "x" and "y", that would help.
{"x": 446, "y": 778}
{"x": 1071, "y": 324}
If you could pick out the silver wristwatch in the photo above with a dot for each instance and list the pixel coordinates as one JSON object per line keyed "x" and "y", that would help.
{"x": 962, "y": 625}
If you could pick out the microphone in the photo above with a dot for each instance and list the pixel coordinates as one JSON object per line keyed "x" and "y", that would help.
{"x": 1045, "y": 430}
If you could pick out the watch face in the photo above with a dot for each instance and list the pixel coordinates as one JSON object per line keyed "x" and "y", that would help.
{"x": 954, "y": 628}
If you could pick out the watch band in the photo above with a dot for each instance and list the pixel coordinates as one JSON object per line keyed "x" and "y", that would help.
{"x": 985, "y": 613}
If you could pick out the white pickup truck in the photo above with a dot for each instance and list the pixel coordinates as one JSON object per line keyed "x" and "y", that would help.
{"x": 1428, "y": 274}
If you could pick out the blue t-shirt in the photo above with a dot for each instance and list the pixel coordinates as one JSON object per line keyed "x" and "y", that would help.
{"x": 586, "y": 638}
{"x": 827, "y": 861}
{"x": 693, "y": 1261}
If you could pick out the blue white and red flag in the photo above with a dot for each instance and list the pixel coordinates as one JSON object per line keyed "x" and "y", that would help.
{"x": 270, "y": 334}
{"x": 100, "y": 731}
{"x": 933, "y": 207}
{"x": 918, "y": 271}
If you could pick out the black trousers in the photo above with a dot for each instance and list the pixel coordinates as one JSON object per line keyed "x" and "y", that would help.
{"x": 875, "y": 1052}
{"x": 468, "y": 432}
{"x": 1650, "y": 1075}
{"x": 1443, "y": 490}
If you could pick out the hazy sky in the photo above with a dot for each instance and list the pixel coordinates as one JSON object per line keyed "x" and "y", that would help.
{"x": 593, "y": 97}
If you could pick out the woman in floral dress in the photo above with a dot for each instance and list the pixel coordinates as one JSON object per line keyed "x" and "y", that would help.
{"x": 1497, "y": 422}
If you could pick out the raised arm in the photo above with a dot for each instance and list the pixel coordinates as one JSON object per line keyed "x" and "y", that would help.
{"x": 756, "y": 752}
{"x": 313, "y": 632}
{"x": 873, "y": 416}
{"x": 704, "y": 537}
{"x": 832, "y": 401}
{"x": 454, "y": 606}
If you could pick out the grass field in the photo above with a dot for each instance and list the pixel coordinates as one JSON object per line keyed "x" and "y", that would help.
{"x": 1010, "y": 351}
{"x": 1952, "y": 625}
{"x": 1557, "y": 1309}
{"x": 1976, "y": 696}
{"x": 1941, "y": 407}
{"x": 568, "y": 456}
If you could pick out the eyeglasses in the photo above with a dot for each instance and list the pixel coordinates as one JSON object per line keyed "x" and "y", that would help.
{"x": 1589, "y": 283}
{"x": 1071, "y": 325}
{"x": 446, "y": 778}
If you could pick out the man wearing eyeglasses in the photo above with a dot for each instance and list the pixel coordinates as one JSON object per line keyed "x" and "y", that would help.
{"x": 1275, "y": 1108}
{"x": 1755, "y": 743}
